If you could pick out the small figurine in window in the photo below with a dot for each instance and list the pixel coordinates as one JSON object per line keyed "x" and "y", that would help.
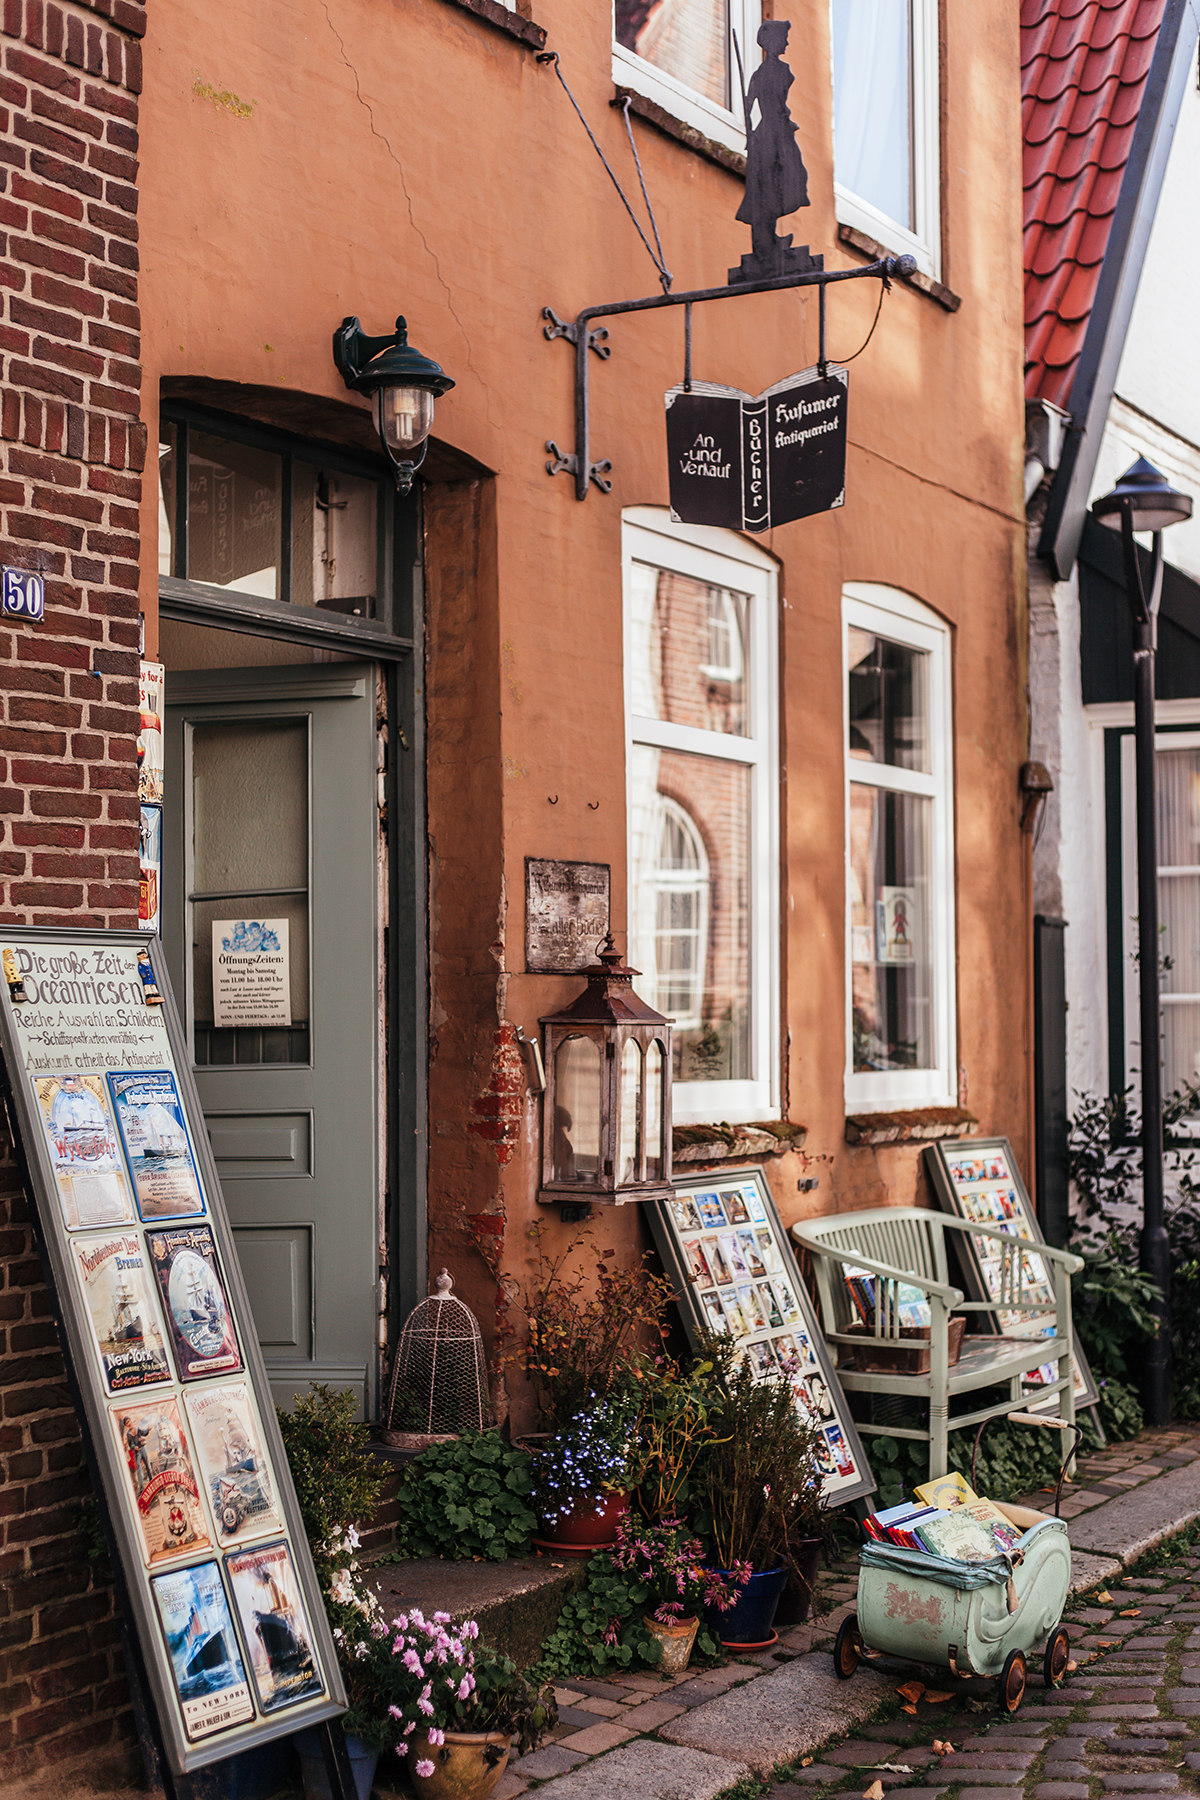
{"x": 150, "y": 986}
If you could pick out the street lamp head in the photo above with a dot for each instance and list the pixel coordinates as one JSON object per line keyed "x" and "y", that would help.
{"x": 401, "y": 384}
{"x": 1148, "y": 497}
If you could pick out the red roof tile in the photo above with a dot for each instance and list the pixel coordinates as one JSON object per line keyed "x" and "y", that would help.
{"x": 1084, "y": 68}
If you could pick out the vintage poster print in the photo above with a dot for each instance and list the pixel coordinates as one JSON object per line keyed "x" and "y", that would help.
{"x": 123, "y": 1310}
{"x": 162, "y": 1479}
{"x": 274, "y": 1625}
{"x": 193, "y": 1293}
{"x": 150, "y": 1117}
{"x": 205, "y": 1660}
{"x": 229, "y": 1451}
{"x": 93, "y": 1188}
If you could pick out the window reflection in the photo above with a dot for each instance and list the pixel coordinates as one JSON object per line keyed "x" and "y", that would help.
{"x": 888, "y": 702}
{"x": 689, "y": 651}
{"x": 891, "y": 984}
{"x": 687, "y": 39}
{"x": 235, "y": 515}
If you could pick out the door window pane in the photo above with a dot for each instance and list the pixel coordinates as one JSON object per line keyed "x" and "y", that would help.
{"x": 1177, "y": 797}
{"x": 872, "y": 103}
{"x": 168, "y": 468}
{"x": 235, "y": 515}
{"x": 689, "y": 651}
{"x": 690, "y": 842}
{"x": 241, "y": 1043}
{"x": 335, "y": 556}
{"x": 889, "y": 705}
{"x": 889, "y": 929}
{"x": 686, "y": 39}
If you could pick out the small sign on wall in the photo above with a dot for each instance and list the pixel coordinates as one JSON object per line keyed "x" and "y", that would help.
{"x": 566, "y": 914}
{"x": 151, "y": 680}
{"x": 23, "y": 594}
{"x": 251, "y": 972}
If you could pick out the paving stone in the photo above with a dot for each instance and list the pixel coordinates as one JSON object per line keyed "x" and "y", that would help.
{"x": 650, "y": 1715}
{"x": 1127, "y": 1783}
{"x": 1066, "y": 1770}
{"x": 551, "y": 1759}
{"x": 1135, "y": 1746}
{"x": 594, "y": 1706}
{"x": 817, "y": 1774}
{"x": 1125, "y": 1712}
{"x": 1139, "y": 1520}
{"x": 595, "y": 1739}
{"x": 578, "y": 1716}
{"x": 647, "y": 1770}
{"x": 1192, "y": 1759}
{"x": 925, "y": 1793}
{"x": 508, "y": 1787}
{"x": 1088, "y": 1728}
{"x": 987, "y": 1793}
{"x": 1060, "y": 1790}
{"x": 603, "y": 1690}
{"x": 781, "y": 1717}
{"x": 856, "y": 1751}
{"x": 988, "y": 1760}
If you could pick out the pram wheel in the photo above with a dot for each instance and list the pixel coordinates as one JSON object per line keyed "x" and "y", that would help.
{"x": 1058, "y": 1654}
{"x": 1012, "y": 1681}
{"x": 847, "y": 1648}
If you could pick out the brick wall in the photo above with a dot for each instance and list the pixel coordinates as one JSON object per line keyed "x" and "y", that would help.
{"x": 72, "y": 449}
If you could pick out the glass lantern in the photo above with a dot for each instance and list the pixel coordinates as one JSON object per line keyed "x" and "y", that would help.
{"x": 606, "y": 1120}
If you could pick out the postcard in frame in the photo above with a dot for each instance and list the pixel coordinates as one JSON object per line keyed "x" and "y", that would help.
{"x": 93, "y": 1188}
{"x": 162, "y": 1480}
{"x": 723, "y": 1243}
{"x": 978, "y": 1179}
{"x": 155, "y": 1135}
{"x": 195, "y": 1302}
{"x": 275, "y": 1626}
{"x": 123, "y": 1309}
{"x": 210, "y": 1678}
{"x": 229, "y": 1450}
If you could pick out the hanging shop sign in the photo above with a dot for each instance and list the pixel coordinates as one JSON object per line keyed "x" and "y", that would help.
{"x": 753, "y": 462}
{"x": 566, "y": 914}
{"x": 252, "y": 982}
{"x": 978, "y": 1179}
{"x": 724, "y": 1246}
{"x": 225, "y": 1612}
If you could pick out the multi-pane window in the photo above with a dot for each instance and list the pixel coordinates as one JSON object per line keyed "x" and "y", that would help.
{"x": 885, "y": 122}
{"x": 702, "y": 794}
{"x": 681, "y": 54}
{"x": 1177, "y": 806}
{"x": 898, "y": 865}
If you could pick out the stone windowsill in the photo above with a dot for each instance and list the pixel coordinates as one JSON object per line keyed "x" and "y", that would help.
{"x": 694, "y": 1144}
{"x": 677, "y": 129}
{"x": 858, "y": 240}
{"x": 514, "y": 24}
{"x": 922, "y": 1126}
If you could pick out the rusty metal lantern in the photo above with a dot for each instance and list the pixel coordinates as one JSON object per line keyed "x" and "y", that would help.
{"x": 606, "y": 1119}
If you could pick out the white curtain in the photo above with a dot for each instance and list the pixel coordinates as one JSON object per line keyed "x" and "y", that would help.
{"x": 872, "y": 103}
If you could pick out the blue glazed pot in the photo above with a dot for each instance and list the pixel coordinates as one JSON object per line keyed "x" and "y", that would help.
{"x": 749, "y": 1620}
{"x": 315, "y": 1776}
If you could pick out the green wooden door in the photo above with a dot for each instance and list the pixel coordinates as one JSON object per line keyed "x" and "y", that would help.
{"x": 271, "y": 821}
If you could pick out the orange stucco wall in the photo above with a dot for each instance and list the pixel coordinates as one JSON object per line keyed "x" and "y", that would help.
{"x": 307, "y": 160}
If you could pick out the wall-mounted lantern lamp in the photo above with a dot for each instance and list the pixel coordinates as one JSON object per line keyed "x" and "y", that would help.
{"x": 606, "y": 1120}
{"x": 402, "y": 385}
{"x": 1144, "y": 500}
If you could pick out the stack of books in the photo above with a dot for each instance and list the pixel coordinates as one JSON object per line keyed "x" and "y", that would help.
{"x": 911, "y": 1303}
{"x": 946, "y": 1519}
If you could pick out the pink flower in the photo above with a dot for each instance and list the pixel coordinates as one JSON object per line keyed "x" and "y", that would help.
{"x": 395, "y": 1712}
{"x": 412, "y": 1662}
{"x": 465, "y": 1686}
{"x": 426, "y": 1706}
{"x": 424, "y": 1766}
{"x": 410, "y": 1728}
{"x": 436, "y": 1737}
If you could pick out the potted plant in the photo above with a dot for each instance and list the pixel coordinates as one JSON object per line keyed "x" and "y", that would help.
{"x": 669, "y": 1561}
{"x": 754, "y": 1484}
{"x": 583, "y": 1474}
{"x": 457, "y": 1707}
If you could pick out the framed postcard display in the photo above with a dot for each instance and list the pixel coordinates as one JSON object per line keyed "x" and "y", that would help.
{"x": 218, "y": 1586}
{"x": 722, "y": 1243}
{"x": 978, "y": 1179}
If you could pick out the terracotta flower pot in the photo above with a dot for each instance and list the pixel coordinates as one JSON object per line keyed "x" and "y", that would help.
{"x": 591, "y": 1527}
{"x": 676, "y": 1641}
{"x": 466, "y": 1767}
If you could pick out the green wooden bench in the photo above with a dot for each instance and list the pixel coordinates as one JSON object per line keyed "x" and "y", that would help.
{"x": 907, "y": 1244}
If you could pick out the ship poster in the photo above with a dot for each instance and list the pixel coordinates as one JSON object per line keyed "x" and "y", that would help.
{"x": 275, "y": 1625}
{"x": 162, "y": 1479}
{"x": 123, "y": 1310}
{"x": 194, "y": 1300}
{"x": 150, "y": 1117}
{"x": 229, "y": 1451}
{"x": 93, "y": 1188}
{"x": 209, "y": 1675}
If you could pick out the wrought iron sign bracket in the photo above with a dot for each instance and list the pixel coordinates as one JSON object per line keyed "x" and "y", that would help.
{"x": 580, "y": 333}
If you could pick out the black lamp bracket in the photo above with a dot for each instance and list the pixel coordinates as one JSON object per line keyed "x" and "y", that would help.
{"x": 584, "y": 337}
{"x": 353, "y": 350}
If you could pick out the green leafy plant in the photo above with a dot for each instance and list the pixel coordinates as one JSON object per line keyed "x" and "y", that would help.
{"x": 468, "y": 1498}
{"x": 669, "y": 1562}
{"x": 1120, "y": 1411}
{"x": 675, "y": 1421}
{"x": 602, "y": 1627}
{"x": 338, "y": 1482}
{"x": 1112, "y": 1306}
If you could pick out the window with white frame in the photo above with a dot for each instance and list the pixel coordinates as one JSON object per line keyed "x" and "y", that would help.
{"x": 899, "y": 862}
{"x": 703, "y": 783}
{"x": 1177, "y": 806}
{"x": 680, "y": 53}
{"x": 885, "y": 123}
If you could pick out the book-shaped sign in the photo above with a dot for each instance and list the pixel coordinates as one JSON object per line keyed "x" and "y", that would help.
{"x": 752, "y": 462}
{"x": 725, "y": 1248}
{"x": 229, "y": 1641}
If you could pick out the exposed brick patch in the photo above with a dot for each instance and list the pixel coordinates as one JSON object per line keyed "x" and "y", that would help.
{"x": 498, "y": 1108}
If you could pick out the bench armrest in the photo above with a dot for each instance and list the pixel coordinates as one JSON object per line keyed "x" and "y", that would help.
{"x": 1071, "y": 1263}
{"x": 951, "y": 1296}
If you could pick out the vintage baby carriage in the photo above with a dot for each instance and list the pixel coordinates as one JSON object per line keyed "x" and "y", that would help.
{"x": 974, "y": 1618}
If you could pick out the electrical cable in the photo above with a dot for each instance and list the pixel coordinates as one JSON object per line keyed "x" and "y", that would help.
{"x": 884, "y": 286}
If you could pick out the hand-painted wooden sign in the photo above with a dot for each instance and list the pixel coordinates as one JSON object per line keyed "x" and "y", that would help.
{"x": 751, "y": 462}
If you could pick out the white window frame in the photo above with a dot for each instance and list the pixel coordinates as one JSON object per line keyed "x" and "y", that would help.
{"x": 726, "y": 126}
{"x": 1163, "y": 740}
{"x": 924, "y": 240}
{"x": 725, "y": 559}
{"x": 884, "y": 611}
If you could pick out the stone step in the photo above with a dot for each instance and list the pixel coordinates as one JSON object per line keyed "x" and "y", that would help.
{"x": 515, "y": 1604}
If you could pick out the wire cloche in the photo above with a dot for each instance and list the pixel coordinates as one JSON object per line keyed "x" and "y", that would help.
{"x": 439, "y": 1382}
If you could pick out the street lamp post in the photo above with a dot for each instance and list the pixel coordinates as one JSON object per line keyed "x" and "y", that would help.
{"x": 1143, "y": 500}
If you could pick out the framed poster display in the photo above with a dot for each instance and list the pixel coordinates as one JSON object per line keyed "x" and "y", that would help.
{"x": 725, "y": 1248}
{"x": 978, "y": 1179}
{"x": 217, "y": 1585}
